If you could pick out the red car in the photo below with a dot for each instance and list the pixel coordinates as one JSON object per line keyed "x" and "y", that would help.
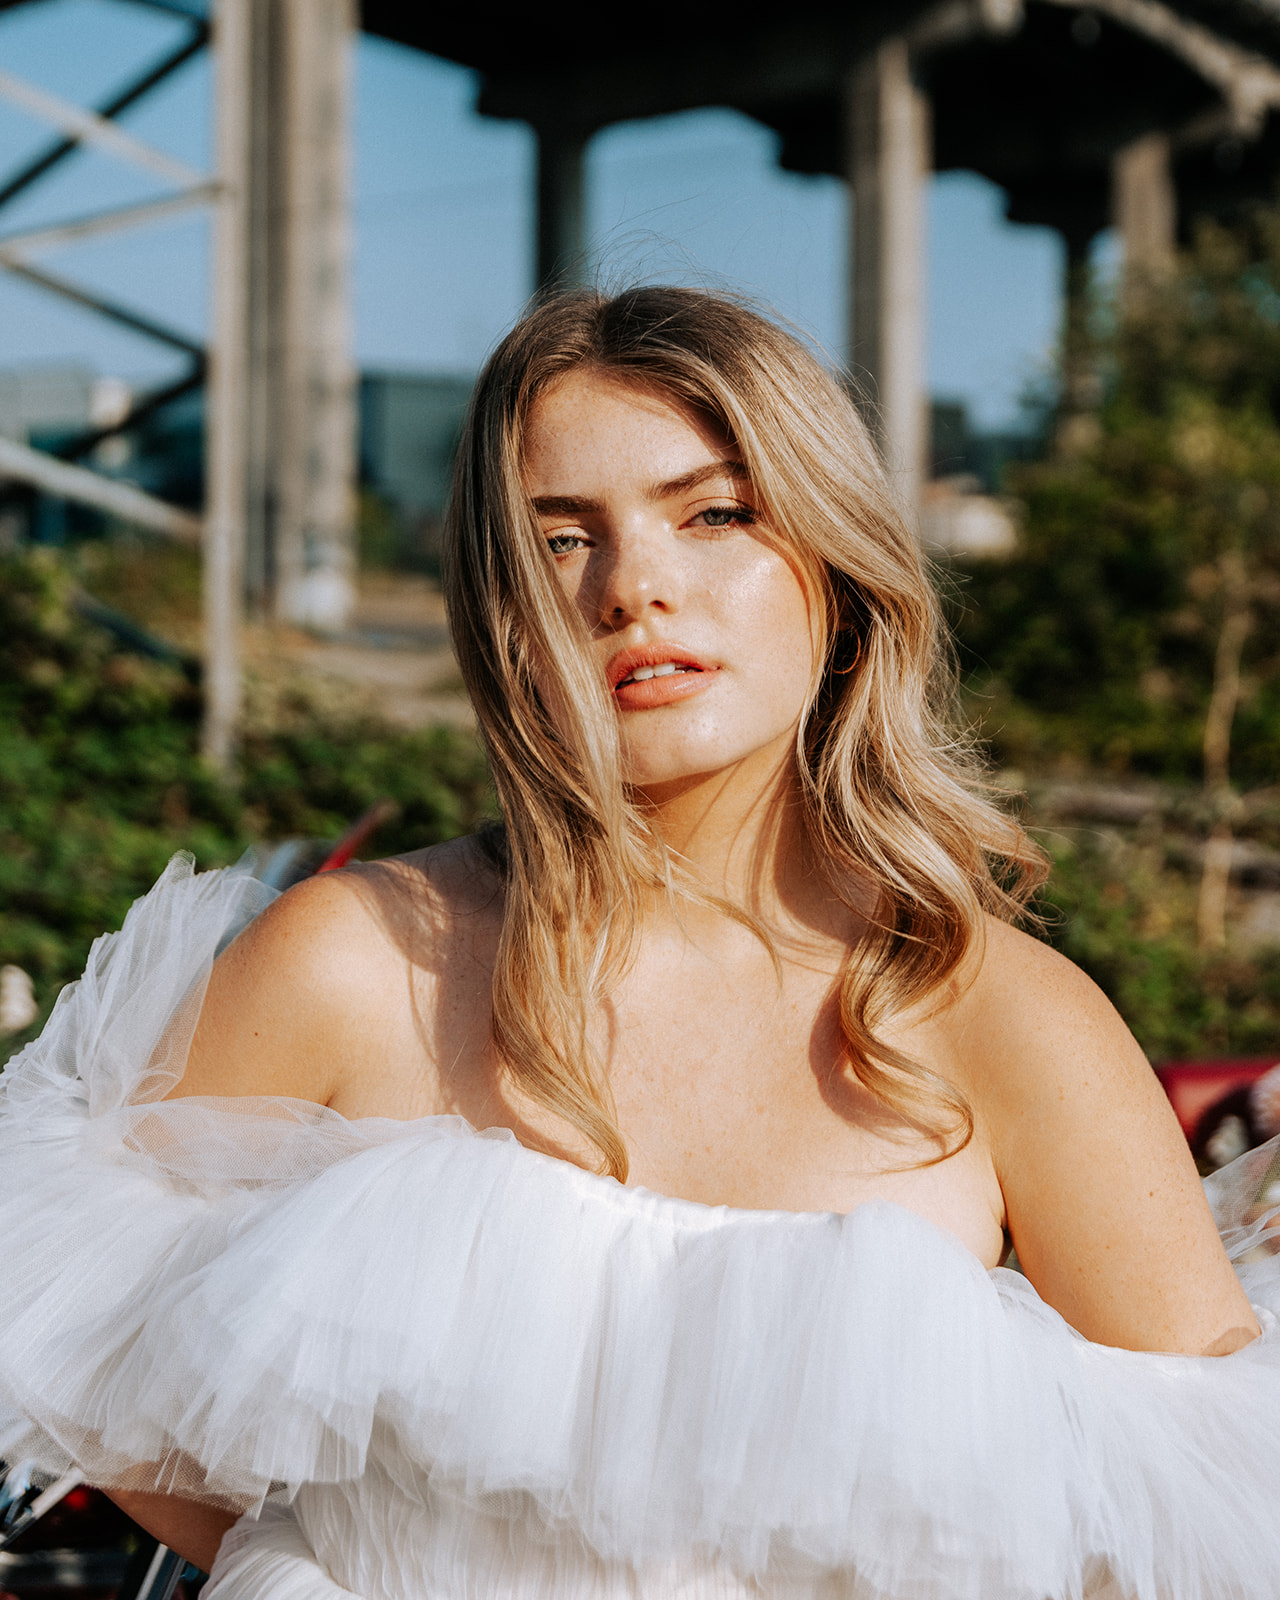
{"x": 1225, "y": 1106}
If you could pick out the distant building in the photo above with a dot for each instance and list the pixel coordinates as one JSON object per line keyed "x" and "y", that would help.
{"x": 957, "y": 447}
{"x": 55, "y": 401}
{"x": 165, "y": 454}
{"x": 957, "y": 519}
{"x": 961, "y": 512}
{"x": 36, "y": 400}
{"x": 409, "y": 424}
{"x": 42, "y": 405}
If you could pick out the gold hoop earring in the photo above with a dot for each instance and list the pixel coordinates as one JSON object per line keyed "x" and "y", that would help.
{"x": 841, "y": 672}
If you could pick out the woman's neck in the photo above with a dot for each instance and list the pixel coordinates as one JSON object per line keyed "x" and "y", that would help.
{"x": 744, "y": 840}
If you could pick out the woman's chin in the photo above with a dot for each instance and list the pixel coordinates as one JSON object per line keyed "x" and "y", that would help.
{"x": 655, "y": 786}
{"x": 658, "y": 783}
{"x": 671, "y": 768}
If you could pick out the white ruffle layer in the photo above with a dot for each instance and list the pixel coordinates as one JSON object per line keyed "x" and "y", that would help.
{"x": 478, "y": 1370}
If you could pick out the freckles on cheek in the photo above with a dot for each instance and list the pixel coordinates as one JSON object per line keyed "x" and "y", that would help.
{"x": 756, "y": 581}
{"x": 772, "y": 603}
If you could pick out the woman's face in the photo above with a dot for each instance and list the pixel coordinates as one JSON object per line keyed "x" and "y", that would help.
{"x": 701, "y": 627}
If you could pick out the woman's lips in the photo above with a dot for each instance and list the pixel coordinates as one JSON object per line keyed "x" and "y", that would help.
{"x": 663, "y": 690}
{"x": 657, "y": 674}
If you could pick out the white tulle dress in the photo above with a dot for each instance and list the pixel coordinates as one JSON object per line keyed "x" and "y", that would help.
{"x": 435, "y": 1365}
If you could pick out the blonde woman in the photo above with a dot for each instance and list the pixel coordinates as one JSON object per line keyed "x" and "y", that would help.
{"x": 614, "y": 1204}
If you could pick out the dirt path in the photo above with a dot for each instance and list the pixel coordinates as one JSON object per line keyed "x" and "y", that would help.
{"x": 396, "y": 650}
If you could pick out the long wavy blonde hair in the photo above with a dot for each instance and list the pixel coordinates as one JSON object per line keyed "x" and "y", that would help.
{"x": 891, "y": 800}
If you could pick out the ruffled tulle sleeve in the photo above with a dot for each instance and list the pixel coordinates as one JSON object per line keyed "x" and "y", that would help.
{"x": 267, "y": 1555}
{"x": 248, "y": 1298}
{"x": 120, "y": 1215}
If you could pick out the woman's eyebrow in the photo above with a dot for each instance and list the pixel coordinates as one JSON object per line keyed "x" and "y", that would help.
{"x": 575, "y": 505}
{"x": 731, "y": 467}
{"x": 566, "y": 505}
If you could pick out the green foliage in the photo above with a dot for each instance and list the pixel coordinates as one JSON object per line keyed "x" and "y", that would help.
{"x": 100, "y": 780}
{"x": 156, "y": 582}
{"x": 1120, "y": 907}
{"x": 380, "y": 532}
{"x": 1095, "y": 645}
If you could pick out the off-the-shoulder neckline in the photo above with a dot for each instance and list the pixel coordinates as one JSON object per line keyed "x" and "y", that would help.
{"x": 632, "y": 1198}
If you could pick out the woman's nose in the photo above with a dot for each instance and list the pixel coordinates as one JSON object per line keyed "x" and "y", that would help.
{"x": 639, "y": 574}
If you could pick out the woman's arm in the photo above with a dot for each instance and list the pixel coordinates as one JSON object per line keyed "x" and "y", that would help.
{"x": 264, "y": 1557}
{"x": 1106, "y": 1210}
{"x": 195, "y": 1531}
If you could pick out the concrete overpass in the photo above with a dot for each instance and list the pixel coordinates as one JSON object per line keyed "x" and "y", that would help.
{"x": 1137, "y": 112}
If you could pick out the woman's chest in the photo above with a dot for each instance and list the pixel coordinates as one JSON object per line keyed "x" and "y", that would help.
{"x": 737, "y": 1089}
{"x": 730, "y": 1085}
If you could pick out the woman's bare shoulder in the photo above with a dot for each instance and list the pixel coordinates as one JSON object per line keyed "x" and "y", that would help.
{"x": 1023, "y": 1001}
{"x": 340, "y": 976}
{"x": 1103, "y": 1201}
{"x": 1041, "y": 1050}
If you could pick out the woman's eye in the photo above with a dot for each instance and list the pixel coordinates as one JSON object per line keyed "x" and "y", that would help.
{"x": 564, "y": 544}
{"x": 726, "y": 517}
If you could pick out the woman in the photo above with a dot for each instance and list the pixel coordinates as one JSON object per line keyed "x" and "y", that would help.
{"x": 746, "y": 947}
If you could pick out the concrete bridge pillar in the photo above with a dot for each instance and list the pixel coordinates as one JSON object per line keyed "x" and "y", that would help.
{"x": 561, "y": 245}
{"x": 1145, "y": 212}
{"x": 1077, "y": 423}
{"x": 888, "y": 143}
{"x": 287, "y": 385}
{"x": 315, "y": 578}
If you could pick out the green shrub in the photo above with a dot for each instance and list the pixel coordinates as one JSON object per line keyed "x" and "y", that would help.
{"x": 1121, "y": 910}
{"x": 101, "y": 781}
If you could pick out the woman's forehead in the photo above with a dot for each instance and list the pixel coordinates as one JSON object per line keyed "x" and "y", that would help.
{"x": 592, "y": 421}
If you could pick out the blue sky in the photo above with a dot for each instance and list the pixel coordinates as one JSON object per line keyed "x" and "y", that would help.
{"x": 443, "y": 219}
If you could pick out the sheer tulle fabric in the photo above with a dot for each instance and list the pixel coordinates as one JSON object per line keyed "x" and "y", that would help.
{"x": 449, "y": 1366}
